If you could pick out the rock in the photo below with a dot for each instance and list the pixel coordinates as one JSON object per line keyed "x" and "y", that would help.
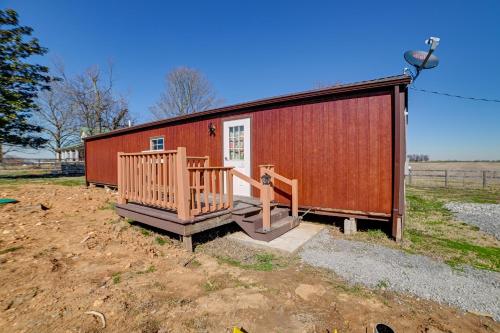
{"x": 307, "y": 291}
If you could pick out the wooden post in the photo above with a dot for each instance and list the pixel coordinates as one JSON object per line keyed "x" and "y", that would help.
{"x": 445, "y": 178}
{"x": 187, "y": 241}
{"x": 262, "y": 171}
{"x": 182, "y": 184}
{"x": 207, "y": 161}
{"x": 410, "y": 176}
{"x": 119, "y": 167}
{"x": 266, "y": 207}
{"x": 229, "y": 176}
{"x": 484, "y": 179}
{"x": 295, "y": 198}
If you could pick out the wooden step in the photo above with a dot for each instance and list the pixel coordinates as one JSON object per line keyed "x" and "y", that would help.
{"x": 247, "y": 211}
{"x": 276, "y": 214}
{"x": 286, "y": 224}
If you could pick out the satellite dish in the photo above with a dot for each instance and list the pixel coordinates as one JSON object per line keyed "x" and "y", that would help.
{"x": 417, "y": 58}
{"x": 422, "y": 59}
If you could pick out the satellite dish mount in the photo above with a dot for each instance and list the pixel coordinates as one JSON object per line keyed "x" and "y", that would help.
{"x": 421, "y": 60}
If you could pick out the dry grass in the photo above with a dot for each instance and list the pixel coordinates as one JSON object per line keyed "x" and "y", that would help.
{"x": 493, "y": 166}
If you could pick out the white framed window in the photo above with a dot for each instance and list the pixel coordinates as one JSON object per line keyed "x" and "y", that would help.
{"x": 236, "y": 143}
{"x": 157, "y": 143}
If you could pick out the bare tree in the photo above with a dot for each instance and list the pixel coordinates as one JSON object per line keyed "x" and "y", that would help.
{"x": 96, "y": 105}
{"x": 187, "y": 91}
{"x": 57, "y": 117}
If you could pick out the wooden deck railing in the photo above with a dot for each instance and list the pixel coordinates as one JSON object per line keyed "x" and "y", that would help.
{"x": 211, "y": 189}
{"x": 148, "y": 178}
{"x": 189, "y": 185}
{"x": 171, "y": 180}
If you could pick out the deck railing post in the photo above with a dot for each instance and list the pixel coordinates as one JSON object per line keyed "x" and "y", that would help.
{"x": 182, "y": 184}
{"x": 229, "y": 184}
{"x": 266, "y": 207}
{"x": 295, "y": 198}
{"x": 262, "y": 169}
{"x": 119, "y": 167}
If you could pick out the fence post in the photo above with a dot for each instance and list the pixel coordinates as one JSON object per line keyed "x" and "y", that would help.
{"x": 119, "y": 168}
{"x": 445, "y": 178}
{"x": 182, "y": 184}
{"x": 409, "y": 176}
{"x": 484, "y": 179}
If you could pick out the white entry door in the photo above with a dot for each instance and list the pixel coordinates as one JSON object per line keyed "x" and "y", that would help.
{"x": 237, "y": 152}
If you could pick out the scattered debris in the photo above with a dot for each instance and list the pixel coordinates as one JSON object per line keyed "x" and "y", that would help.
{"x": 7, "y": 200}
{"x": 87, "y": 237}
{"x": 186, "y": 262}
{"x": 98, "y": 314}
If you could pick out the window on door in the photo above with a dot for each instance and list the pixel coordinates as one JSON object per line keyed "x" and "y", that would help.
{"x": 157, "y": 143}
{"x": 236, "y": 143}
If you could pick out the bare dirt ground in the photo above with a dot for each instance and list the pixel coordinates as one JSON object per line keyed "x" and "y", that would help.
{"x": 75, "y": 255}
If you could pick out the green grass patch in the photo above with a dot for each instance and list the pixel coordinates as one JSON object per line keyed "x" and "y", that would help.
{"x": 145, "y": 232}
{"x": 117, "y": 278}
{"x": 355, "y": 289}
{"x": 210, "y": 286}
{"x": 458, "y": 194}
{"x": 261, "y": 262}
{"x": 376, "y": 234}
{"x": 194, "y": 263}
{"x": 160, "y": 240}
{"x": 108, "y": 205}
{"x": 432, "y": 230}
{"x": 382, "y": 284}
{"x": 11, "y": 249}
{"x": 455, "y": 252}
{"x": 421, "y": 205}
{"x": 64, "y": 181}
{"x": 150, "y": 269}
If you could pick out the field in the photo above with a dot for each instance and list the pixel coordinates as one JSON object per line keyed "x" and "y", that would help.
{"x": 455, "y": 174}
{"x": 64, "y": 252}
{"x": 492, "y": 166}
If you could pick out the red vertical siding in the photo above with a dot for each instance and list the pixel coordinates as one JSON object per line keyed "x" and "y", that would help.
{"x": 340, "y": 149}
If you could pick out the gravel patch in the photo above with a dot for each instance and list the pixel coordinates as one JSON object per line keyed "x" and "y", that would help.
{"x": 484, "y": 216}
{"x": 378, "y": 266}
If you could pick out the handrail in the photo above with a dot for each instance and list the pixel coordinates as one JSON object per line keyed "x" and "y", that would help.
{"x": 265, "y": 197}
{"x": 150, "y": 152}
{"x": 244, "y": 177}
{"x": 279, "y": 177}
{"x": 209, "y": 168}
{"x": 269, "y": 169}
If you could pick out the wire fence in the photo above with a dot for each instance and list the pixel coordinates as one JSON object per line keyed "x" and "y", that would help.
{"x": 30, "y": 163}
{"x": 486, "y": 179}
{"x": 38, "y": 166}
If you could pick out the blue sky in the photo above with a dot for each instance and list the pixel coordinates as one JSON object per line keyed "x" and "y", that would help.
{"x": 259, "y": 49}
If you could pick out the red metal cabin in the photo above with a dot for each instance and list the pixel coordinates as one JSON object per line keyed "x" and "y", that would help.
{"x": 344, "y": 144}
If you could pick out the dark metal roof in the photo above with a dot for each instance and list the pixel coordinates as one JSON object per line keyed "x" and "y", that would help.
{"x": 342, "y": 88}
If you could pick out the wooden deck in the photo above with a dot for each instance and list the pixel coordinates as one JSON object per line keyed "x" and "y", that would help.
{"x": 246, "y": 212}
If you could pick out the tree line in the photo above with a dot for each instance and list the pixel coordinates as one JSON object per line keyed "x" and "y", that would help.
{"x": 418, "y": 158}
{"x": 49, "y": 108}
